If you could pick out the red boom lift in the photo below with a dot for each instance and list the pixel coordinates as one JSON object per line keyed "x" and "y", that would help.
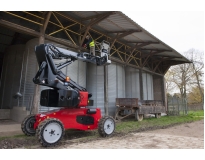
{"x": 72, "y": 98}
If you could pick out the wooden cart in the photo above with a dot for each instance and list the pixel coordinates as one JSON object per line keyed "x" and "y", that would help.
{"x": 132, "y": 106}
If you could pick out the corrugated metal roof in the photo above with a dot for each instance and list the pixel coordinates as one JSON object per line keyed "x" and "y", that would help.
{"x": 121, "y": 22}
{"x": 116, "y": 21}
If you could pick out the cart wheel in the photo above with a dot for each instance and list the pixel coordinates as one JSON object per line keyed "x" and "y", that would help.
{"x": 118, "y": 116}
{"x": 50, "y": 132}
{"x": 28, "y": 124}
{"x": 157, "y": 115}
{"x": 106, "y": 126}
{"x": 138, "y": 117}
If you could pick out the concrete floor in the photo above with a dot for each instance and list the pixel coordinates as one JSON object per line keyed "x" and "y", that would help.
{"x": 10, "y": 128}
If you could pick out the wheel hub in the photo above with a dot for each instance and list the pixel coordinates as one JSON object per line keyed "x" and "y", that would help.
{"x": 52, "y": 132}
{"x": 30, "y": 125}
{"x": 109, "y": 126}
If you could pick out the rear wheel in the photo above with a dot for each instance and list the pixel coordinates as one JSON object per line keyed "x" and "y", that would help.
{"x": 138, "y": 117}
{"x": 106, "y": 126}
{"x": 27, "y": 125}
{"x": 50, "y": 132}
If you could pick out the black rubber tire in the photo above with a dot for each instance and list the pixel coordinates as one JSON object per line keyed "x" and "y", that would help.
{"x": 138, "y": 117}
{"x": 40, "y": 130}
{"x": 157, "y": 115}
{"x": 101, "y": 129}
{"x": 27, "y": 125}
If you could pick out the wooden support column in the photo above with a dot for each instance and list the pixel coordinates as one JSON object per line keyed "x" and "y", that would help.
{"x": 106, "y": 89}
{"x": 141, "y": 84}
{"x": 41, "y": 41}
{"x": 164, "y": 94}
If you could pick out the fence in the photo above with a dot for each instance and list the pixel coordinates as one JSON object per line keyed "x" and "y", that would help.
{"x": 179, "y": 106}
{"x": 176, "y": 106}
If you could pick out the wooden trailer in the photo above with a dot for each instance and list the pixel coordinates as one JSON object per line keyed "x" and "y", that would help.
{"x": 132, "y": 106}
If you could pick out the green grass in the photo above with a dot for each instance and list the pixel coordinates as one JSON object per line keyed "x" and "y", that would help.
{"x": 132, "y": 125}
{"x": 14, "y": 136}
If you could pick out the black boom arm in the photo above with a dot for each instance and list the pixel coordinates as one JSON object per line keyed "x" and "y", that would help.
{"x": 49, "y": 74}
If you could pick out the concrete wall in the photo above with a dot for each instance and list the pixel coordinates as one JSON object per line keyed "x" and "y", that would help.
{"x": 4, "y": 113}
{"x": 18, "y": 114}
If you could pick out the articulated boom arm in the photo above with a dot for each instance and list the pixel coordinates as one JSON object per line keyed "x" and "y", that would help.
{"x": 49, "y": 74}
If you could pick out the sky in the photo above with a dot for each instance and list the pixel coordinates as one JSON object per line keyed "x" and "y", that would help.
{"x": 181, "y": 30}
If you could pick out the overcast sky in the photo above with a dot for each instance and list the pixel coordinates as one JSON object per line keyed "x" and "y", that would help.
{"x": 181, "y": 30}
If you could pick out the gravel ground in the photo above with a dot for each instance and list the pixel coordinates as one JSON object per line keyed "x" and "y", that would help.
{"x": 184, "y": 136}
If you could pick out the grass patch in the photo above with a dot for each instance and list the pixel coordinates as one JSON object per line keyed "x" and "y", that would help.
{"x": 14, "y": 136}
{"x": 132, "y": 125}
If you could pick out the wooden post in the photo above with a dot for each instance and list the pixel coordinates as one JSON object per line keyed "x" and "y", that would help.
{"x": 141, "y": 84}
{"x": 106, "y": 89}
{"x": 41, "y": 41}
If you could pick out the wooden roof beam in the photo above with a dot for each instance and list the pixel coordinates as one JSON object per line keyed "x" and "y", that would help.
{"x": 163, "y": 50}
{"x": 151, "y": 53}
{"x": 151, "y": 42}
{"x": 137, "y": 46}
{"x": 118, "y": 36}
{"x": 95, "y": 21}
{"x": 124, "y": 31}
{"x": 163, "y": 59}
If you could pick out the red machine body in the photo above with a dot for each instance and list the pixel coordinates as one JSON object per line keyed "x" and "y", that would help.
{"x": 78, "y": 117}
{"x": 72, "y": 118}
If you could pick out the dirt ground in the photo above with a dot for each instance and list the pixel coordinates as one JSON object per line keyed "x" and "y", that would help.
{"x": 184, "y": 136}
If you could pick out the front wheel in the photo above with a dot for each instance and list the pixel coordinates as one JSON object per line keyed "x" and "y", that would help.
{"x": 106, "y": 126}
{"x": 27, "y": 125}
{"x": 50, "y": 132}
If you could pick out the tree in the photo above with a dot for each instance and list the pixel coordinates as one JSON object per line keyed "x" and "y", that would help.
{"x": 197, "y": 60}
{"x": 187, "y": 75}
{"x": 194, "y": 96}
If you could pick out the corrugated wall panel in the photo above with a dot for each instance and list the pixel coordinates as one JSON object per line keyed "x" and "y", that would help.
{"x": 112, "y": 87}
{"x": 3, "y": 80}
{"x": 132, "y": 83}
{"x": 147, "y": 86}
{"x": 95, "y": 85}
{"x": 30, "y": 72}
{"x": 116, "y": 85}
{"x": 100, "y": 88}
{"x": 144, "y": 81}
{"x": 120, "y": 81}
{"x": 11, "y": 75}
{"x": 150, "y": 87}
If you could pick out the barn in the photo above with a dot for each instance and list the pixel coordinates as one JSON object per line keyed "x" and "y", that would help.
{"x": 139, "y": 59}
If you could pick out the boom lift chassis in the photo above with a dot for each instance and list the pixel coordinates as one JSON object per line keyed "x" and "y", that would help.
{"x": 73, "y": 99}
